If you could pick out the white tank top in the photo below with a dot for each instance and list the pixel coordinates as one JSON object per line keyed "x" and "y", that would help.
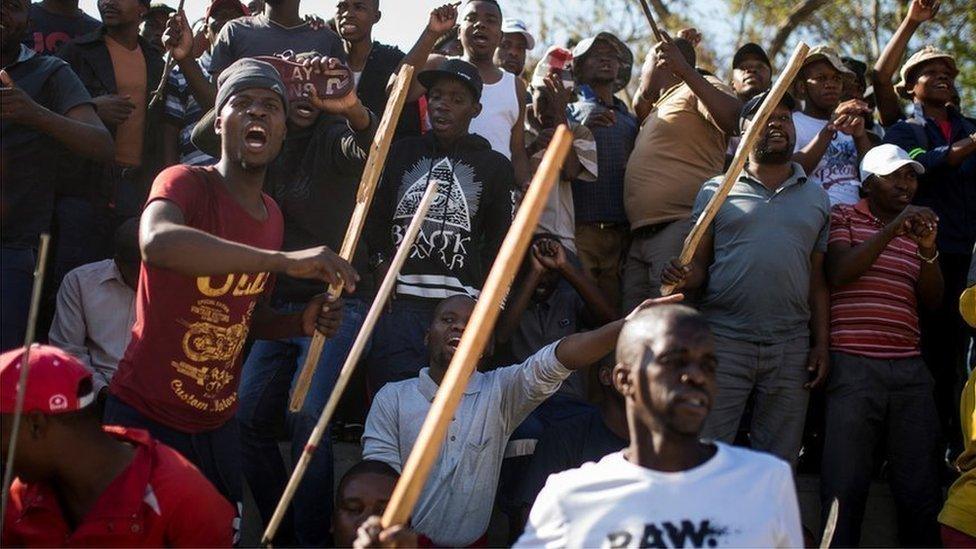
{"x": 499, "y": 113}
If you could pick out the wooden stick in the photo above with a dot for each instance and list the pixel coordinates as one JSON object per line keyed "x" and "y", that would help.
{"x": 170, "y": 62}
{"x": 39, "y": 269}
{"x": 831, "y": 526}
{"x": 379, "y": 303}
{"x": 367, "y": 187}
{"x": 756, "y": 129}
{"x": 650, "y": 19}
{"x": 480, "y": 326}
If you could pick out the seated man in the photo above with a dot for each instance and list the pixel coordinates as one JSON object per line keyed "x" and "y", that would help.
{"x": 79, "y": 484}
{"x": 96, "y": 307}
{"x": 882, "y": 267}
{"x": 668, "y": 488}
{"x": 455, "y": 507}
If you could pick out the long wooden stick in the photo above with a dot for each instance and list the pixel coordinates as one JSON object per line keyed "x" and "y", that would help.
{"x": 168, "y": 65}
{"x": 367, "y": 187}
{"x": 379, "y": 303}
{"x": 831, "y": 526}
{"x": 756, "y": 129}
{"x": 483, "y": 318}
{"x": 650, "y": 19}
{"x": 39, "y": 269}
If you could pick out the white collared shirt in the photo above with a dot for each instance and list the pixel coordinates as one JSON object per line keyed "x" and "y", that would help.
{"x": 454, "y": 508}
{"x": 94, "y": 317}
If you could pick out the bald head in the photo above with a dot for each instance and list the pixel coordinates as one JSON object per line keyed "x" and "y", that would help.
{"x": 639, "y": 332}
{"x": 666, "y": 370}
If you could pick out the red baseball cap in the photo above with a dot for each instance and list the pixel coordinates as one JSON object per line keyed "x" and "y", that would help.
{"x": 236, "y": 4}
{"x": 57, "y": 383}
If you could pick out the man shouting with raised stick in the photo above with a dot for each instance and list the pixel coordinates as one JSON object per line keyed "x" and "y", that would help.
{"x": 209, "y": 239}
{"x": 455, "y": 506}
{"x": 760, "y": 269}
{"x": 668, "y": 488}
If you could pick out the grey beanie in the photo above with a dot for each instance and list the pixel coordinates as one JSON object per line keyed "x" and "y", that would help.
{"x": 247, "y": 73}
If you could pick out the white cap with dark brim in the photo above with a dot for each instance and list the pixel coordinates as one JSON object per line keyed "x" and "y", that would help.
{"x": 885, "y": 160}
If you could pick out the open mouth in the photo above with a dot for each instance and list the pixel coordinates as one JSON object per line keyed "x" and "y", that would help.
{"x": 776, "y": 136}
{"x": 440, "y": 122}
{"x": 479, "y": 39}
{"x": 453, "y": 343}
{"x": 255, "y": 138}
{"x": 942, "y": 86}
{"x": 348, "y": 27}
{"x": 303, "y": 109}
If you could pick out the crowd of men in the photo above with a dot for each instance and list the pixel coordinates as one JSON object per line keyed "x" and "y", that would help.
{"x": 823, "y": 324}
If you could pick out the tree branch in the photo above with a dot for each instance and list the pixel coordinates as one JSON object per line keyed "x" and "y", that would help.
{"x": 797, "y": 16}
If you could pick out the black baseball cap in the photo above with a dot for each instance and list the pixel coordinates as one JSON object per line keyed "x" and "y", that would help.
{"x": 455, "y": 68}
{"x": 753, "y": 49}
{"x": 752, "y": 106}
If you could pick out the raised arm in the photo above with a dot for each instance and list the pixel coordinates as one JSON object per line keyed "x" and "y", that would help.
{"x": 723, "y": 107}
{"x": 178, "y": 39}
{"x": 552, "y": 255}
{"x": 518, "y": 300}
{"x": 442, "y": 19}
{"x": 885, "y": 68}
{"x": 586, "y": 348}
{"x": 520, "y": 159}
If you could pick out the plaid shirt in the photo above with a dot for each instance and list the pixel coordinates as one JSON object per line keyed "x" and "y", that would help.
{"x": 603, "y": 201}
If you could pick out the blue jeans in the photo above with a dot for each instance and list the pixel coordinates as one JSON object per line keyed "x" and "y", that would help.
{"x": 215, "y": 453}
{"x": 16, "y": 279}
{"x": 266, "y": 381}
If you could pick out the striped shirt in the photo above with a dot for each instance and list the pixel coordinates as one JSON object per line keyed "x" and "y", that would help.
{"x": 183, "y": 111}
{"x": 877, "y": 314}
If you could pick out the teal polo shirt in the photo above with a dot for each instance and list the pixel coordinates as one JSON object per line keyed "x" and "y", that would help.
{"x": 759, "y": 280}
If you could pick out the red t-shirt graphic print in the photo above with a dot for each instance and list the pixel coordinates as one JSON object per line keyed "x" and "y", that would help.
{"x": 182, "y": 367}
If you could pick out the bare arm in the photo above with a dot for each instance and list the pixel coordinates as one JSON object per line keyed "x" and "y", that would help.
{"x": 809, "y": 156}
{"x": 178, "y": 39}
{"x": 885, "y": 68}
{"x": 551, "y": 255}
{"x": 171, "y": 144}
{"x": 442, "y": 19}
{"x": 167, "y": 242}
{"x": 79, "y": 129}
{"x": 520, "y": 160}
{"x": 518, "y": 302}
{"x": 723, "y": 107}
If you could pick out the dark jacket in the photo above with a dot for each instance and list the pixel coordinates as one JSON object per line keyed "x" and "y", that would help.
{"x": 382, "y": 63}
{"x": 465, "y": 225}
{"x": 949, "y": 190}
{"x": 89, "y": 58}
{"x": 314, "y": 180}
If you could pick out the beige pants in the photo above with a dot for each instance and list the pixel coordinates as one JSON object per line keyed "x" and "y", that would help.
{"x": 648, "y": 255}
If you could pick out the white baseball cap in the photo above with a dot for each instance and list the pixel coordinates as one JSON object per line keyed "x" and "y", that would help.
{"x": 885, "y": 160}
{"x": 517, "y": 26}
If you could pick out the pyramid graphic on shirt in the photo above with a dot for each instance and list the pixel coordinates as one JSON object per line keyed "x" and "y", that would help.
{"x": 449, "y": 206}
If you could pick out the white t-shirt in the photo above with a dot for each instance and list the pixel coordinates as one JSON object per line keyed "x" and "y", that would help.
{"x": 738, "y": 498}
{"x": 837, "y": 171}
{"x": 499, "y": 114}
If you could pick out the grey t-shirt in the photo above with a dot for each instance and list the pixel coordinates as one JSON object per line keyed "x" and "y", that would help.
{"x": 759, "y": 280}
{"x": 258, "y": 35}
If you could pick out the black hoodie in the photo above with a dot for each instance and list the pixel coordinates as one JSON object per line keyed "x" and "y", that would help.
{"x": 465, "y": 225}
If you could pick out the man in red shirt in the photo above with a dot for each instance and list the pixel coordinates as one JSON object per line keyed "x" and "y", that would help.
{"x": 210, "y": 239}
{"x": 81, "y": 485}
{"x": 881, "y": 266}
